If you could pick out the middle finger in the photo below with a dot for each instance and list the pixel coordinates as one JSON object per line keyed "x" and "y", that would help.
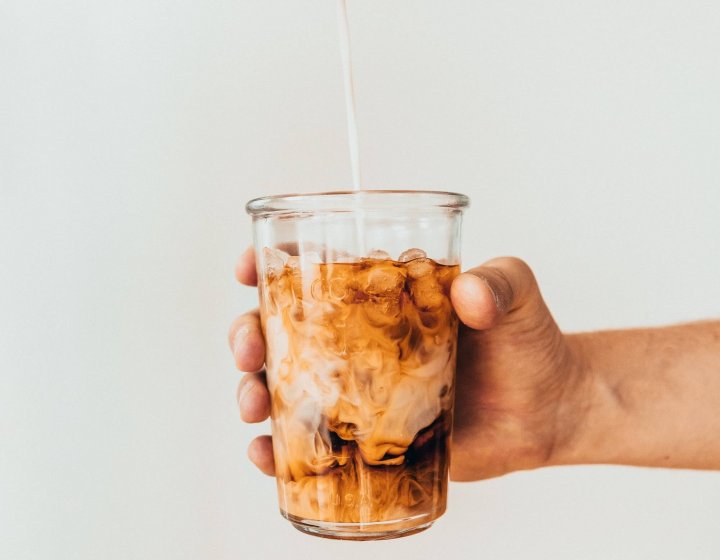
{"x": 253, "y": 398}
{"x": 246, "y": 342}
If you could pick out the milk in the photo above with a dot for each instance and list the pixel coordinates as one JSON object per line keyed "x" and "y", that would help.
{"x": 349, "y": 93}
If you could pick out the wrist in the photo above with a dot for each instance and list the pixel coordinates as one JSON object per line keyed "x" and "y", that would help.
{"x": 586, "y": 409}
{"x": 643, "y": 397}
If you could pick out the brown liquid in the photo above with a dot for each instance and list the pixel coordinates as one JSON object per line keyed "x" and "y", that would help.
{"x": 360, "y": 366}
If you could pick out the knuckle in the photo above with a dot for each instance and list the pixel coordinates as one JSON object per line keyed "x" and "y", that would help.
{"x": 516, "y": 276}
{"x": 251, "y": 381}
{"x": 503, "y": 291}
{"x": 240, "y": 391}
{"x": 518, "y": 265}
{"x": 524, "y": 269}
{"x": 246, "y": 321}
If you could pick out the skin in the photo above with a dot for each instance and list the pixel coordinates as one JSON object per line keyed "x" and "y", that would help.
{"x": 529, "y": 396}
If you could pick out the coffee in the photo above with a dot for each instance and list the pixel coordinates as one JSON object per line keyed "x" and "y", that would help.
{"x": 360, "y": 366}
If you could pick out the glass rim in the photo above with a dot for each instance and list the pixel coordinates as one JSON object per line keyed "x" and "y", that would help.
{"x": 344, "y": 201}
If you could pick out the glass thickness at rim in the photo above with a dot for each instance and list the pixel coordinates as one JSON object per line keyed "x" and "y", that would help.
{"x": 348, "y": 201}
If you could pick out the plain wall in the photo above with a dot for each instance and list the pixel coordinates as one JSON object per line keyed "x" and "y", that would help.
{"x": 587, "y": 134}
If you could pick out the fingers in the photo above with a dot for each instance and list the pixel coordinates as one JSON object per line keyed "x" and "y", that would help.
{"x": 261, "y": 454}
{"x": 485, "y": 294}
{"x": 253, "y": 397}
{"x": 248, "y": 348}
{"x": 245, "y": 270}
{"x": 246, "y": 342}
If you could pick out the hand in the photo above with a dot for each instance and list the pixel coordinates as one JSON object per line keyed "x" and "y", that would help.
{"x": 520, "y": 389}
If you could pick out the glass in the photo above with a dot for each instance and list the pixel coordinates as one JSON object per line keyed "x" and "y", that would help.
{"x": 361, "y": 345}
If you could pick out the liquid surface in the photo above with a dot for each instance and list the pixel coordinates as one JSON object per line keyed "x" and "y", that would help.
{"x": 360, "y": 366}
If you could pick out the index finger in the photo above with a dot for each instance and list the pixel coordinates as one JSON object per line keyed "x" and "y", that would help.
{"x": 245, "y": 270}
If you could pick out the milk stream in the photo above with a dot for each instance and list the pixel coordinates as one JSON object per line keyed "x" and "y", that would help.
{"x": 353, "y": 145}
{"x": 349, "y": 93}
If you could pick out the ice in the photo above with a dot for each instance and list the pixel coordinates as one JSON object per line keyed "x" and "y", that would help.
{"x": 426, "y": 293}
{"x": 340, "y": 282}
{"x": 417, "y": 268}
{"x": 293, "y": 263}
{"x": 275, "y": 260}
{"x": 378, "y": 254}
{"x": 304, "y": 273}
{"x": 445, "y": 276}
{"x": 411, "y": 255}
{"x": 384, "y": 314}
{"x": 360, "y": 368}
{"x": 385, "y": 280}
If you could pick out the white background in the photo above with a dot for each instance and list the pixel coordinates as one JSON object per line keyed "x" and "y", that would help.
{"x": 132, "y": 133}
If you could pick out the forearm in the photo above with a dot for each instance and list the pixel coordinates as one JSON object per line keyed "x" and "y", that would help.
{"x": 648, "y": 397}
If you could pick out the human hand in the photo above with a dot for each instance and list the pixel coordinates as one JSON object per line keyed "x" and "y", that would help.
{"x": 520, "y": 391}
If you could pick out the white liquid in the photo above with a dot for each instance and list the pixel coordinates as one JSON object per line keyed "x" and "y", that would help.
{"x": 353, "y": 144}
{"x": 349, "y": 93}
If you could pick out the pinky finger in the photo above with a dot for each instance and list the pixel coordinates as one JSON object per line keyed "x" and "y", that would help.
{"x": 261, "y": 454}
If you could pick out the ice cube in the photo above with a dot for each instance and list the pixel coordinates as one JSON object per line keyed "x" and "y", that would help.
{"x": 304, "y": 270}
{"x": 445, "y": 275}
{"x": 417, "y": 268}
{"x": 426, "y": 293}
{"x": 378, "y": 254}
{"x": 384, "y": 280}
{"x": 293, "y": 262}
{"x": 275, "y": 260}
{"x": 411, "y": 255}
{"x": 383, "y": 313}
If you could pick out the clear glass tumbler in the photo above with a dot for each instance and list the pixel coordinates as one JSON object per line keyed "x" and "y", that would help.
{"x": 361, "y": 346}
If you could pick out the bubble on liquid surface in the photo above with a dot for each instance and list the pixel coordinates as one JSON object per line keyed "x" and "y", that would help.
{"x": 411, "y": 255}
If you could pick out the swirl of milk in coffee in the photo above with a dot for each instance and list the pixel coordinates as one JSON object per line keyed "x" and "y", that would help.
{"x": 360, "y": 365}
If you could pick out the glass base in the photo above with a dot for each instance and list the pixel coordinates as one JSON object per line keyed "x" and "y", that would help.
{"x": 375, "y": 531}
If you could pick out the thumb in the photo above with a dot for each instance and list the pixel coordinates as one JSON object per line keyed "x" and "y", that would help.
{"x": 484, "y": 295}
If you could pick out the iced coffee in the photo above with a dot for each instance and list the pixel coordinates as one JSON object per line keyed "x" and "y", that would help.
{"x": 360, "y": 366}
